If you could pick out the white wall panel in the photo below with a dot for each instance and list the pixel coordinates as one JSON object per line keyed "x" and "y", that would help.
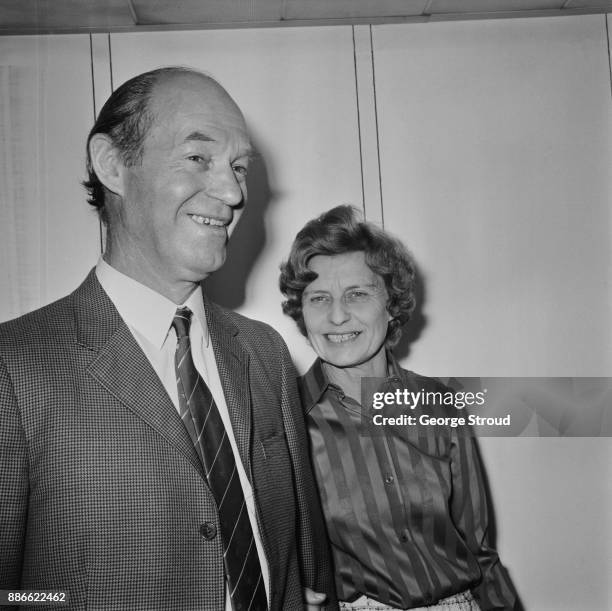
{"x": 496, "y": 149}
{"x": 296, "y": 87}
{"x": 368, "y": 127}
{"x": 48, "y": 234}
{"x": 101, "y": 69}
{"x": 496, "y": 157}
{"x": 553, "y": 501}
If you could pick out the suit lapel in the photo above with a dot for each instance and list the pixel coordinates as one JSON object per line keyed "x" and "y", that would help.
{"x": 122, "y": 368}
{"x": 233, "y": 365}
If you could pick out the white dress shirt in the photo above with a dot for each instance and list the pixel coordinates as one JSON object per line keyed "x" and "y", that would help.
{"x": 149, "y": 317}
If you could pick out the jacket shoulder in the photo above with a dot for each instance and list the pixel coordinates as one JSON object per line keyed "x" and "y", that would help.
{"x": 50, "y": 324}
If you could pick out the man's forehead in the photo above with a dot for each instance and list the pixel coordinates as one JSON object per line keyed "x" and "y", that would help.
{"x": 197, "y": 109}
{"x": 187, "y": 81}
{"x": 192, "y": 91}
{"x": 190, "y": 94}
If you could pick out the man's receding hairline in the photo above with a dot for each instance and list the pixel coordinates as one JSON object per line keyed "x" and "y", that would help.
{"x": 187, "y": 74}
{"x": 177, "y": 73}
{"x": 213, "y": 87}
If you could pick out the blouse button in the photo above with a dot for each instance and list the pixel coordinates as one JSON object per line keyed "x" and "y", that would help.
{"x": 389, "y": 479}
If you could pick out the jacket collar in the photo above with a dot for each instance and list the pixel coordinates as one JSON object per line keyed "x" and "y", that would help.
{"x": 122, "y": 368}
{"x": 97, "y": 319}
{"x": 218, "y": 319}
{"x": 312, "y": 385}
{"x": 233, "y": 366}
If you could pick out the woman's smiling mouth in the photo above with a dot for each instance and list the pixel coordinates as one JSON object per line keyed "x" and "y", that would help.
{"x": 340, "y": 338}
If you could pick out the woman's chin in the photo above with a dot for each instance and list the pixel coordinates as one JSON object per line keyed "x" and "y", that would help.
{"x": 346, "y": 361}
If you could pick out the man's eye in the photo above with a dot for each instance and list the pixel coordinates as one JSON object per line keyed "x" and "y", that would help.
{"x": 196, "y": 158}
{"x": 241, "y": 170}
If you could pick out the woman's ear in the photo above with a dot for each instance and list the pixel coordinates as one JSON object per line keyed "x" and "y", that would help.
{"x": 107, "y": 163}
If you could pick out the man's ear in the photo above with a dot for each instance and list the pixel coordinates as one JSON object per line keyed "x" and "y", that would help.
{"x": 107, "y": 163}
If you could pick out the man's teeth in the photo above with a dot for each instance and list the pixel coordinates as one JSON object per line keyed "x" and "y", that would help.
{"x": 204, "y": 220}
{"x": 338, "y": 338}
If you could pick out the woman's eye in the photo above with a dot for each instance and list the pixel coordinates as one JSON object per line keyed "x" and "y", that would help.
{"x": 196, "y": 158}
{"x": 357, "y": 295}
{"x": 318, "y": 299}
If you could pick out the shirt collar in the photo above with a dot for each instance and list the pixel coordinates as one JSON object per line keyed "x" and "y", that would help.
{"x": 145, "y": 310}
{"x": 314, "y": 383}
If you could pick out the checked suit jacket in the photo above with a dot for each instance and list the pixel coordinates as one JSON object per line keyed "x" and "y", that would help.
{"x": 102, "y": 494}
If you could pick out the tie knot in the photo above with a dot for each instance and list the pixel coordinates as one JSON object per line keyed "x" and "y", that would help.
{"x": 181, "y": 322}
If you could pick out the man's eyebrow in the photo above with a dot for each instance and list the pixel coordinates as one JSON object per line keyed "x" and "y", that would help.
{"x": 199, "y": 136}
{"x": 249, "y": 151}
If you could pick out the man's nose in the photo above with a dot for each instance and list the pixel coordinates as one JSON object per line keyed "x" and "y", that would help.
{"x": 338, "y": 312}
{"x": 224, "y": 186}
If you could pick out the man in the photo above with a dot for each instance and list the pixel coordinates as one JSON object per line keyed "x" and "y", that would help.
{"x": 152, "y": 454}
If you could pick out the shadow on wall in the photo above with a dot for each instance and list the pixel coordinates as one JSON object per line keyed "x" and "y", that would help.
{"x": 518, "y": 605}
{"x": 418, "y": 321}
{"x": 227, "y": 286}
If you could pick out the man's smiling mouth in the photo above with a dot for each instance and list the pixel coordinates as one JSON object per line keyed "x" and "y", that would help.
{"x": 207, "y": 220}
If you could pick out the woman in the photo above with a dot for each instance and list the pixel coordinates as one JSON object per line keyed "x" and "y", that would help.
{"x": 405, "y": 507}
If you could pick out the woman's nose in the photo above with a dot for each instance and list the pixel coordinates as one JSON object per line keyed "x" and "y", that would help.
{"x": 338, "y": 312}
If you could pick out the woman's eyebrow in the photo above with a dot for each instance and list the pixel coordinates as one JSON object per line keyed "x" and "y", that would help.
{"x": 309, "y": 291}
{"x": 365, "y": 285}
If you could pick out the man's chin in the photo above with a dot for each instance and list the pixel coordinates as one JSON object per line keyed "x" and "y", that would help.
{"x": 206, "y": 269}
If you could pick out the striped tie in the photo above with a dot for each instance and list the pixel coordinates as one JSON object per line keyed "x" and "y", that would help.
{"x": 205, "y": 426}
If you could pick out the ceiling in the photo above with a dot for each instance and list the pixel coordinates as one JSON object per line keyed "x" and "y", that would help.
{"x": 61, "y": 16}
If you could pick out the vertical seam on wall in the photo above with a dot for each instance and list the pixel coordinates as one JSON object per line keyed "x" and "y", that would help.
{"x": 95, "y": 114}
{"x": 382, "y": 209}
{"x": 110, "y": 61}
{"x": 363, "y": 203}
{"x": 42, "y": 67}
{"x": 93, "y": 80}
{"x": 606, "y": 18}
{"x": 133, "y": 12}
{"x": 112, "y": 86}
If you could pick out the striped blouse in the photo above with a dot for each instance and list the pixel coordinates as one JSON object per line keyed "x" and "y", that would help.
{"x": 405, "y": 509}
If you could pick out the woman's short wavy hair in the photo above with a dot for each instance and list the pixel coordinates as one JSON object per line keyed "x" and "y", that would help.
{"x": 338, "y": 231}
